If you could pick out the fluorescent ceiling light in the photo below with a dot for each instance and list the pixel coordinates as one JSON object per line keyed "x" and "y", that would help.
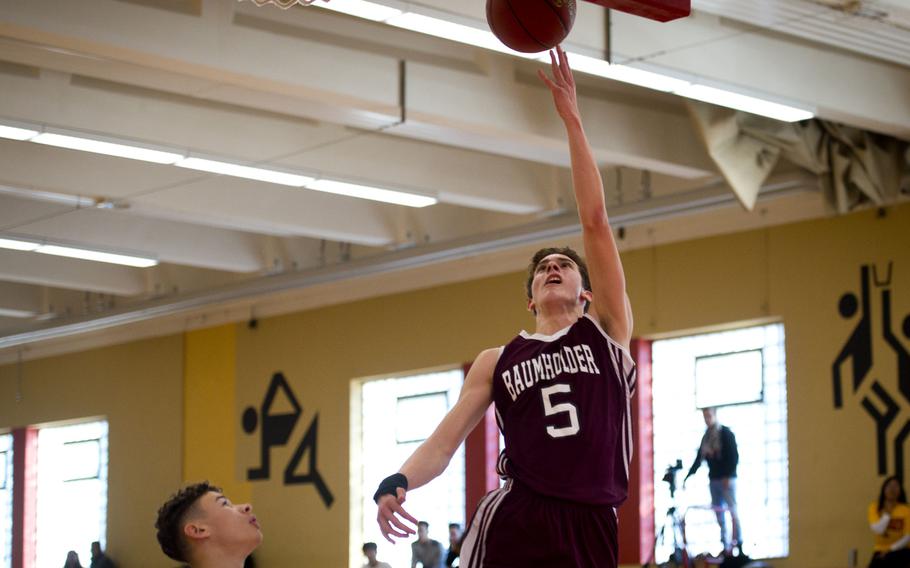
{"x": 14, "y": 133}
{"x": 624, "y": 73}
{"x": 98, "y": 256}
{"x": 683, "y": 88}
{"x": 454, "y": 32}
{"x": 361, "y": 9}
{"x": 107, "y": 148}
{"x": 76, "y": 142}
{"x": 745, "y": 103}
{"x": 372, "y": 193}
{"x": 75, "y": 252}
{"x": 248, "y": 172}
{"x": 11, "y": 313}
{"x": 16, "y": 244}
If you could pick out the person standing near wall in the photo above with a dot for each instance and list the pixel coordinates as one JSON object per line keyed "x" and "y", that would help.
{"x": 718, "y": 448}
{"x": 454, "y": 544}
{"x": 72, "y": 560}
{"x": 99, "y": 558}
{"x": 426, "y": 551}
{"x": 889, "y": 519}
{"x": 369, "y": 551}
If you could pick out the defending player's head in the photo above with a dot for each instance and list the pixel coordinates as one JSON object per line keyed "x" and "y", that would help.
{"x": 199, "y": 524}
{"x": 557, "y": 274}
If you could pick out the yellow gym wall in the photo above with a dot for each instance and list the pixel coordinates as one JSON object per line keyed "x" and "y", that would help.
{"x": 138, "y": 388}
{"x": 208, "y": 412}
{"x": 795, "y": 273}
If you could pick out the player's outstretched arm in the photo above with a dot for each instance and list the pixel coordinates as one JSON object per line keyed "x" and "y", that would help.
{"x": 608, "y": 282}
{"x": 434, "y": 454}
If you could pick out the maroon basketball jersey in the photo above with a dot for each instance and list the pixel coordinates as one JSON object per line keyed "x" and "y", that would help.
{"x": 562, "y": 402}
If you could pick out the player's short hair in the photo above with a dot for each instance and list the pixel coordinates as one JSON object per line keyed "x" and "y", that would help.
{"x": 172, "y": 515}
{"x": 566, "y": 251}
{"x": 423, "y": 524}
{"x": 454, "y": 526}
{"x": 369, "y": 546}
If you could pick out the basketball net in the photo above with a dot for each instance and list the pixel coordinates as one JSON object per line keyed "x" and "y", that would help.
{"x": 283, "y": 4}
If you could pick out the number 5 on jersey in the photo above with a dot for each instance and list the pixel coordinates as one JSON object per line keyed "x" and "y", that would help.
{"x": 551, "y": 409}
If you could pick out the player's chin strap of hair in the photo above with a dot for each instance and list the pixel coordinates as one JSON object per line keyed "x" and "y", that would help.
{"x": 390, "y": 485}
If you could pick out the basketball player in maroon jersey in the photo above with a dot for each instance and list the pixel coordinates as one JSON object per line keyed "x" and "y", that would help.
{"x": 561, "y": 397}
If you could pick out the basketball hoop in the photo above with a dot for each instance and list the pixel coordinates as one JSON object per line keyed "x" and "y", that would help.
{"x": 283, "y": 4}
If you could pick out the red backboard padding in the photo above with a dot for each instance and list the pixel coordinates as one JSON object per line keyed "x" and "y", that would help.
{"x": 660, "y": 10}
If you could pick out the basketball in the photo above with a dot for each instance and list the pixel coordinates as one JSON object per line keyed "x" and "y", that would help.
{"x": 531, "y": 26}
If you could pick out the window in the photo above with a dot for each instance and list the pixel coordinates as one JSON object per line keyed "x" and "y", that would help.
{"x": 6, "y": 500}
{"x": 713, "y": 386}
{"x": 742, "y": 373}
{"x": 72, "y": 491}
{"x": 396, "y": 415}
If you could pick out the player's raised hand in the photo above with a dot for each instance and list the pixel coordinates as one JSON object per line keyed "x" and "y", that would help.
{"x": 562, "y": 85}
{"x": 390, "y": 515}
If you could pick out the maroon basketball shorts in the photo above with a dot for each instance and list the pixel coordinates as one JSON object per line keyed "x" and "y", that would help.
{"x": 514, "y": 527}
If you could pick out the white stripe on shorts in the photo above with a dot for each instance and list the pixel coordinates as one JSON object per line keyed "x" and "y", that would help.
{"x": 474, "y": 547}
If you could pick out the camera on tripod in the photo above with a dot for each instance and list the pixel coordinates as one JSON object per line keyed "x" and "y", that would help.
{"x": 672, "y": 533}
{"x": 670, "y": 476}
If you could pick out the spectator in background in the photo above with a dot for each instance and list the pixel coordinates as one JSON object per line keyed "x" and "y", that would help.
{"x": 889, "y": 519}
{"x": 718, "y": 448}
{"x": 369, "y": 550}
{"x": 425, "y": 551}
{"x": 454, "y": 544}
{"x": 72, "y": 560}
{"x": 99, "y": 558}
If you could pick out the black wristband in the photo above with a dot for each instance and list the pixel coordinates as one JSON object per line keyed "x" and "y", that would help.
{"x": 390, "y": 485}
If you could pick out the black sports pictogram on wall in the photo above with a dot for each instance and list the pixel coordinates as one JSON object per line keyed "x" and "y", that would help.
{"x": 276, "y": 429}
{"x": 881, "y": 403}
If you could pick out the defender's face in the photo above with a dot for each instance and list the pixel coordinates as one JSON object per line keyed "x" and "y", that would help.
{"x": 231, "y": 527}
{"x": 557, "y": 278}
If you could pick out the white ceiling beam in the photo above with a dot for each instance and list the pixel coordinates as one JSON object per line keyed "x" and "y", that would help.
{"x": 211, "y": 49}
{"x": 457, "y": 176}
{"x": 880, "y": 29}
{"x": 212, "y": 248}
{"x": 243, "y": 205}
{"x": 46, "y": 270}
{"x": 843, "y": 86}
{"x": 484, "y": 107}
{"x": 708, "y": 48}
{"x": 501, "y": 114}
{"x": 203, "y": 199}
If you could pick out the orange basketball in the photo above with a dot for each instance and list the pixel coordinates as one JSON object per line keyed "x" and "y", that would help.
{"x": 530, "y": 26}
